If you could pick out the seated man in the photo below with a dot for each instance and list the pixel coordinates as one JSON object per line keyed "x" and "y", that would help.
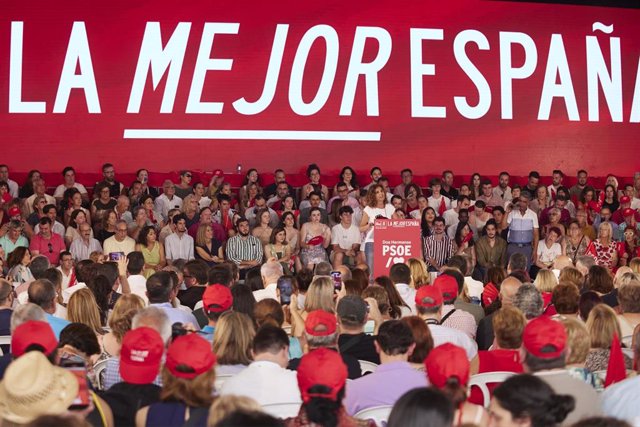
{"x": 120, "y": 242}
{"x": 266, "y": 380}
{"x": 46, "y": 242}
{"x": 43, "y": 294}
{"x": 314, "y": 201}
{"x": 260, "y": 203}
{"x": 195, "y": 274}
{"x": 343, "y": 195}
{"x": 244, "y": 249}
{"x": 82, "y": 247}
{"x": 270, "y": 272}
{"x": 346, "y": 240}
{"x": 160, "y": 291}
{"x": 352, "y": 316}
{"x": 394, "y": 377}
{"x": 179, "y": 245}
{"x": 167, "y": 200}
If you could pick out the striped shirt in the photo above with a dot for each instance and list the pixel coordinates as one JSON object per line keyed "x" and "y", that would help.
{"x": 440, "y": 250}
{"x": 244, "y": 249}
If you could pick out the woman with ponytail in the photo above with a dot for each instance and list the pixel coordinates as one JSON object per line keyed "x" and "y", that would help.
{"x": 321, "y": 377}
{"x": 447, "y": 369}
{"x": 527, "y": 401}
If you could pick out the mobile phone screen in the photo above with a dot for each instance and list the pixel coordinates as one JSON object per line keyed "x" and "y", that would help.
{"x": 79, "y": 370}
{"x": 337, "y": 280}
{"x": 115, "y": 256}
{"x": 286, "y": 289}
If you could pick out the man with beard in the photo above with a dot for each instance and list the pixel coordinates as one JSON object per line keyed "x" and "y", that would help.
{"x": 243, "y": 249}
{"x": 503, "y": 190}
{"x": 491, "y": 249}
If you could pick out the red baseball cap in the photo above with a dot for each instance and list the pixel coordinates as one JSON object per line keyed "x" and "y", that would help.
{"x": 628, "y": 212}
{"x": 429, "y": 296}
{"x": 141, "y": 355}
{"x": 217, "y": 298}
{"x": 320, "y": 323}
{"x": 321, "y": 367}
{"x": 189, "y": 356}
{"x": 544, "y": 338}
{"x": 448, "y": 286}
{"x": 447, "y": 361}
{"x": 625, "y": 199}
{"x": 14, "y": 211}
{"x": 33, "y": 332}
{"x": 218, "y": 172}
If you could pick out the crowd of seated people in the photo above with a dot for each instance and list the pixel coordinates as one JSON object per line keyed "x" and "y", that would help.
{"x": 205, "y": 305}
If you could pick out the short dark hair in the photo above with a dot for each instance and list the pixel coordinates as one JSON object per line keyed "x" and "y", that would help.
{"x": 241, "y": 220}
{"x": 45, "y": 220}
{"x": 179, "y": 217}
{"x": 159, "y": 287}
{"x": 199, "y": 270}
{"x": 345, "y": 209}
{"x": 39, "y": 264}
{"x": 518, "y": 261}
{"x": 220, "y": 274}
{"x": 106, "y": 165}
{"x": 136, "y": 262}
{"x": 42, "y": 292}
{"x": 441, "y": 219}
{"x": 557, "y": 172}
{"x": 536, "y": 364}
{"x": 68, "y": 169}
{"x": 458, "y": 262}
{"x": 80, "y": 337}
{"x": 534, "y": 174}
{"x": 400, "y": 273}
{"x": 582, "y": 171}
{"x": 406, "y": 170}
{"x": 270, "y": 339}
{"x": 394, "y": 337}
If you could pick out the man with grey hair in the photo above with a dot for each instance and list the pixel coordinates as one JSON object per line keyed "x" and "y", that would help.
{"x": 523, "y": 230}
{"x": 270, "y": 271}
{"x": 584, "y": 264}
{"x": 323, "y": 269}
{"x": 150, "y": 317}
{"x": 167, "y": 200}
{"x": 529, "y": 301}
{"x": 508, "y": 290}
{"x": 120, "y": 242}
{"x": 43, "y": 293}
{"x": 82, "y": 247}
{"x": 320, "y": 331}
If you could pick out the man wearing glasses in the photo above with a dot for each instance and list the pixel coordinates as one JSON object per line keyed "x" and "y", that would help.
{"x": 120, "y": 242}
{"x": 184, "y": 188}
{"x": 46, "y": 242}
{"x": 13, "y": 237}
{"x": 167, "y": 200}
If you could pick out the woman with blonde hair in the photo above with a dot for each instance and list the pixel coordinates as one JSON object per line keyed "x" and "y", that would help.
{"x": 602, "y": 325}
{"x": 419, "y": 274}
{"x": 545, "y": 282}
{"x": 319, "y": 296}
{"x": 127, "y": 306}
{"x": 579, "y": 341}
{"x": 83, "y": 308}
{"x": 232, "y": 342}
{"x": 604, "y": 249}
{"x": 208, "y": 249}
{"x": 225, "y": 405}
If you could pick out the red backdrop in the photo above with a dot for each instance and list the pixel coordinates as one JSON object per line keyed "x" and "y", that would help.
{"x": 115, "y": 31}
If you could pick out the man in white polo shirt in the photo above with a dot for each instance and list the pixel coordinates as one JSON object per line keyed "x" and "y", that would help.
{"x": 119, "y": 242}
{"x": 346, "y": 240}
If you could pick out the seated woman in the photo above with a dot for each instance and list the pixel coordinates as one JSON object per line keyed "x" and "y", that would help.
{"x": 288, "y": 221}
{"x": 554, "y": 221}
{"x": 251, "y": 179}
{"x": 541, "y": 201}
{"x": 602, "y": 325}
{"x": 313, "y": 173}
{"x": 349, "y": 177}
{"x": 464, "y": 242}
{"x": 604, "y": 249}
{"x": 154, "y": 217}
{"x": 208, "y": 249}
{"x": 289, "y": 205}
{"x": 322, "y": 394}
{"x": 278, "y": 249}
{"x": 448, "y": 370}
{"x": 315, "y": 238}
{"x": 548, "y": 251}
{"x": 248, "y": 199}
{"x": 188, "y": 377}
{"x": 152, "y": 251}
{"x": 18, "y": 265}
{"x": 126, "y": 307}
{"x": 527, "y": 400}
{"x": 102, "y": 203}
{"x": 575, "y": 242}
{"x": 72, "y": 200}
{"x": 411, "y": 194}
{"x": 545, "y": 282}
{"x": 232, "y": 341}
{"x": 610, "y": 198}
{"x": 107, "y": 227}
{"x": 262, "y": 230}
{"x": 191, "y": 210}
{"x": 629, "y": 248}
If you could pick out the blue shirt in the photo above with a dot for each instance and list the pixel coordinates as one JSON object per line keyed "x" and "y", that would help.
{"x": 207, "y": 333}
{"x": 621, "y": 400}
{"x": 57, "y": 324}
{"x": 177, "y": 315}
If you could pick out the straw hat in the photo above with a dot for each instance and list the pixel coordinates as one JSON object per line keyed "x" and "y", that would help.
{"x": 32, "y": 386}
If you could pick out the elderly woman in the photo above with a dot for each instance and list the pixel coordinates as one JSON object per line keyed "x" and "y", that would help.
{"x": 604, "y": 249}
{"x": 575, "y": 243}
{"x": 554, "y": 222}
{"x": 541, "y": 202}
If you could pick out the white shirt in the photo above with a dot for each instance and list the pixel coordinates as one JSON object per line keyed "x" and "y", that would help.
{"x": 127, "y": 246}
{"x": 13, "y": 188}
{"x": 408, "y": 295}
{"x": 442, "y": 334}
{"x": 266, "y": 383}
{"x": 164, "y": 205}
{"x": 176, "y": 247}
{"x": 65, "y": 278}
{"x": 635, "y": 203}
{"x": 474, "y": 287}
{"x": 138, "y": 285}
{"x": 548, "y": 255}
{"x": 268, "y": 292}
{"x": 28, "y": 204}
{"x": 57, "y": 228}
{"x": 621, "y": 401}
{"x": 386, "y": 212}
{"x": 60, "y": 189}
{"x": 450, "y": 217}
{"x": 81, "y": 250}
{"x": 345, "y": 237}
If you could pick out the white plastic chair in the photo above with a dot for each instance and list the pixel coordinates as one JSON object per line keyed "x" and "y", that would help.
{"x": 282, "y": 410}
{"x": 4, "y": 340}
{"x": 627, "y": 340}
{"x": 198, "y": 305}
{"x": 366, "y": 366}
{"x": 379, "y": 414}
{"x": 482, "y": 380}
{"x": 628, "y": 352}
{"x": 98, "y": 370}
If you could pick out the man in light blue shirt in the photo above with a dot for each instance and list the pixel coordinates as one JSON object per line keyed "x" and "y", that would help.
{"x": 160, "y": 291}
{"x": 42, "y": 293}
{"x": 13, "y": 238}
{"x": 394, "y": 377}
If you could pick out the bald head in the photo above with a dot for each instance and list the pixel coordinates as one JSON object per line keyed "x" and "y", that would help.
{"x": 561, "y": 262}
{"x": 42, "y": 293}
{"x": 509, "y": 289}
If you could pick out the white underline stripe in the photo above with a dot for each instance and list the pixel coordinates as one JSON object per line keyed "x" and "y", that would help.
{"x": 308, "y": 135}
